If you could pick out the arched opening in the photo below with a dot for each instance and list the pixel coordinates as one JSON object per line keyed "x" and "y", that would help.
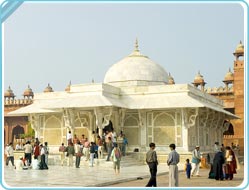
{"x": 230, "y": 130}
{"x": 164, "y": 131}
{"x": 131, "y": 129}
{"x": 16, "y": 132}
{"x": 52, "y": 131}
{"x": 108, "y": 127}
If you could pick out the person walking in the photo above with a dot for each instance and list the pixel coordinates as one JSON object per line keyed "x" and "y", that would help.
{"x": 100, "y": 147}
{"x": 216, "y": 147}
{"x": 78, "y": 154}
{"x": 188, "y": 168}
{"x": 86, "y": 149}
{"x": 218, "y": 162}
{"x": 151, "y": 160}
{"x": 70, "y": 153}
{"x": 43, "y": 164}
{"x": 231, "y": 164}
{"x": 92, "y": 153}
{"x": 46, "y": 150}
{"x": 10, "y": 154}
{"x": 116, "y": 158}
{"x": 109, "y": 148}
{"x": 124, "y": 145}
{"x": 196, "y": 159}
{"x": 173, "y": 160}
{"x": 62, "y": 150}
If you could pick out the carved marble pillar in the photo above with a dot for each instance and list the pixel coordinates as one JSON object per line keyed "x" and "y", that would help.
{"x": 91, "y": 122}
{"x": 142, "y": 126}
{"x": 185, "y": 138}
{"x": 99, "y": 117}
{"x": 220, "y": 127}
{"x": 188, "y": 120}
{"x": 121, "y": 118}
{"x": 34, "y": 120}
{"x": 68, "y": 117}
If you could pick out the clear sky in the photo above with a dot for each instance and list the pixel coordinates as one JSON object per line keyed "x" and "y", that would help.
{"x": 60, "y": 42}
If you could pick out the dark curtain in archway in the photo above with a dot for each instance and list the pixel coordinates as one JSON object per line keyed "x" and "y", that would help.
{"x": 108, "y": 127}
{"x": 17, "y": 131}
{"x": 230, "y": 130}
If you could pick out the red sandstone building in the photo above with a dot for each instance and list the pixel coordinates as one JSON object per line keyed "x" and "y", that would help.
{"x": 233, "y": 96}
{"x": 15, "y": 125}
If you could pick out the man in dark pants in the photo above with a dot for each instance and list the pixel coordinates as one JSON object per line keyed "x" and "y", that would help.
{"x": 219, "y": 160}
{"x": 151, "y": 159}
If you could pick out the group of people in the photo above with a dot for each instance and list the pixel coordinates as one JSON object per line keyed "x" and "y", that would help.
{"x": 224, "y": 163}
{"x": 112, "y": 138}
{"x": 94, "y": 148}
{"x": 79, "y": 147}
{"x": 37, "y": 150}
{"x": 172, "y": 161}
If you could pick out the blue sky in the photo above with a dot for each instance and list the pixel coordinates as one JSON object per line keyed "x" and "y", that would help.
{"x": 60, "y": 42}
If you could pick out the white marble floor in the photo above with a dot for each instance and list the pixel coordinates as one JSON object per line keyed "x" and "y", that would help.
{"x": 68, "y": 177}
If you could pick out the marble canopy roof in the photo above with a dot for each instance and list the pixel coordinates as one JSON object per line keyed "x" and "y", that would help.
{"x": 89, "y": 96}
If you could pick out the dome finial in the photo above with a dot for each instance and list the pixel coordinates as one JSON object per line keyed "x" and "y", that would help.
{"x": 136, "y": 45}
{"x": 136, "y": 51}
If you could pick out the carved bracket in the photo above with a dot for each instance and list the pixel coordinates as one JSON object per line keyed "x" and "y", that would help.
{"x": 103, "y": 116}
{"x": 83, "y": 120}
{"x": 34, "y": 120}
{"x": 68, "y": 117}
{"x": 189, "y": 116}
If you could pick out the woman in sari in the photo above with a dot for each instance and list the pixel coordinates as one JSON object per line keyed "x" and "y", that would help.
{"x": 231, "y": 164}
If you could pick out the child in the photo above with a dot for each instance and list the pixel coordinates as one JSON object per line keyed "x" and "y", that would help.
{"x": 187, "y": 168}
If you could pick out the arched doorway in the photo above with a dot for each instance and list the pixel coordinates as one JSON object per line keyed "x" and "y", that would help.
{"x": 16, "y": 132}
{"x": 230, "y": 130}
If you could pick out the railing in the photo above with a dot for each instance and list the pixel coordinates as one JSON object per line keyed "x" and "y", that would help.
{"x": 16, "y": 102}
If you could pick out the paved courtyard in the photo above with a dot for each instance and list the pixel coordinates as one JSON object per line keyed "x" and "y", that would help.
{"x": 202, "y": 181}
{"x": 103, "y": 176}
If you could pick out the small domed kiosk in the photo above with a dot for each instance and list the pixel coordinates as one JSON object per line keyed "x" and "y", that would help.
{"x": 28, "y": 93}
{"x": 48, "y": 89}
{"x": 8, "y": 94}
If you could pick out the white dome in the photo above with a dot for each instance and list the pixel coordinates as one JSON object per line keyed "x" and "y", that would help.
{"x": 136, "y": 67}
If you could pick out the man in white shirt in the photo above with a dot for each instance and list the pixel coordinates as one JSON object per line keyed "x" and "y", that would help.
{"x": 10, "y": 154}
{"x": 196, "y": 159}
{"x": 69, "y": 137}
{"x": 28, "y": 152}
